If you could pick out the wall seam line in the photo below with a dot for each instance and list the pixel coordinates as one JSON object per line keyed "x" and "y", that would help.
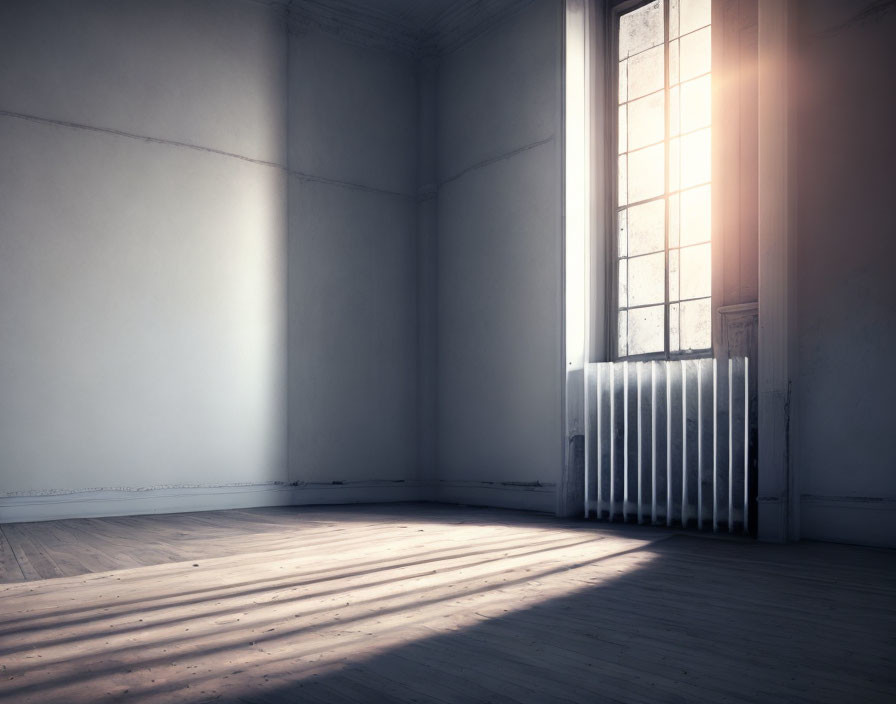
{"x": 210, "y": 150}
{"x": 496, "y": 159}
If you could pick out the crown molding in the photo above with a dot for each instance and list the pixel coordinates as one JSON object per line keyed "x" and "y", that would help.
{"x": 463, "y": 22}
{"x": 354, "y": 25}
{"x": 442, "y": 33}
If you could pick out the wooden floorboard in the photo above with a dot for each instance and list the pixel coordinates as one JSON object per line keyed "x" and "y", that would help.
{"x": 424, "y": 603}
{"x": 10, "y": 571}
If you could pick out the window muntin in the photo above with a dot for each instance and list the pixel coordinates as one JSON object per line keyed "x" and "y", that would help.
{"x": 663, "y": 213}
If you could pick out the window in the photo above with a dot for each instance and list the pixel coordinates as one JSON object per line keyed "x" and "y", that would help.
{"x": 663, "y": 254}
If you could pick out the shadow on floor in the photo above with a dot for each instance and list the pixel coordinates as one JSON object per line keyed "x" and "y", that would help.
{"x": 675, "y": 618}
{"x": 697, "y": 624}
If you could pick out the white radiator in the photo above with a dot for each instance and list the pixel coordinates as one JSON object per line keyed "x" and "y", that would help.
{"x": 668, "y": 442}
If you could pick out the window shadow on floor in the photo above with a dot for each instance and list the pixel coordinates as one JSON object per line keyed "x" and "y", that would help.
{"x": 705, "y": 621}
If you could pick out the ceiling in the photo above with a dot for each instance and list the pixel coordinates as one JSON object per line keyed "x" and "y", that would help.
{"x": 410, "y": 26}
{"x": 417, "y": 15}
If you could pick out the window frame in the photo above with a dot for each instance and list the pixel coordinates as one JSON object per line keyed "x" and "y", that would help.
{"x": 614, "y": 10}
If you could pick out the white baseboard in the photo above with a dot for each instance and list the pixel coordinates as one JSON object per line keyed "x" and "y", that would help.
{"x": 124, "y": 502}
{"x": 131, "y": 502}
{"x": 115, "y": 502}
{"x": 541, "y": 497}
{"x": 854, "y": 520}
{"x": 369, "y": 492}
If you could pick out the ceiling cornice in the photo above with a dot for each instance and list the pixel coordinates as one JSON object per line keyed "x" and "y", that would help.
{"x": 442, "y": 33}
{"x": 349, "y": 23}
{"x": 464, "y": 21}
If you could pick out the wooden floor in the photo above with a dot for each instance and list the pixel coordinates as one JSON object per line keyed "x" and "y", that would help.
{"x": 422, "y": 603}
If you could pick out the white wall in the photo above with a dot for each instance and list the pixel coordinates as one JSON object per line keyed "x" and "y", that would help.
{"x": 499, "y": 264}
{"x": 142, "y": 234}
{"x": 209, "y": 208}
{"x": 352, "y": 262}
{"x": 846, "y": 294}
{"x": 212, "y": 209}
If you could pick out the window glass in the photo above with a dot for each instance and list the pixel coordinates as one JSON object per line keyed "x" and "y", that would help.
{"x": 664, "y": 214}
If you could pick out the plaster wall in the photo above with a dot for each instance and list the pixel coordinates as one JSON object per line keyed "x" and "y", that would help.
{"x": 846, "y": 291}
{"x": 352, "y": 262}
{"x": 143, "y": 222}
{"x": 499, "y": 264}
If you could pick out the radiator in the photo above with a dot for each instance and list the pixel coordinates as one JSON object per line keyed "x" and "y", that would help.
{"x": 668, "y": 442}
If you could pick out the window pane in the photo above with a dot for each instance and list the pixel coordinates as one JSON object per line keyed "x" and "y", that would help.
{"x": 646, "y": 279}
{"x": 623, "y": 128}
{"x": 646, "y": 173}
{"x": 645, "y": 73}
{"x": 622, "y": 333}
{"x": 696, "y": 271}
{"x": 623, "y": 283}
{"x": 664, "y": 267}
{"x": 646, "y": 330}
{"x": 641, "y": 29}
{"x": 693, "y": 328}
{"x": 646, "y": 228}
{"x": 674, "y": 275}
{"x": 623, "y": 180}
{"x": 674, "y": 326}
{"x": 696, "y": 104}
{"x": 694, "y": 14}
{"x": 646, "y": 124}
{"x": 696, "y": 54}
{"x": 696, "y": 215}
{"x": 696, "y": 158}
{"x": 674, "y": 220}
{"x": 674, "y": 70}
{"x": 675, "y": 164}
{"x": 675, "y": 111}
{"x": 687, "y": 15}
{"x": 622, "y": 225}
{"x": 623, "y": 81}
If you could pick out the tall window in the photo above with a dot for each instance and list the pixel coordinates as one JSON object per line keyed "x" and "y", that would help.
{"x": 663, "y": 214}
